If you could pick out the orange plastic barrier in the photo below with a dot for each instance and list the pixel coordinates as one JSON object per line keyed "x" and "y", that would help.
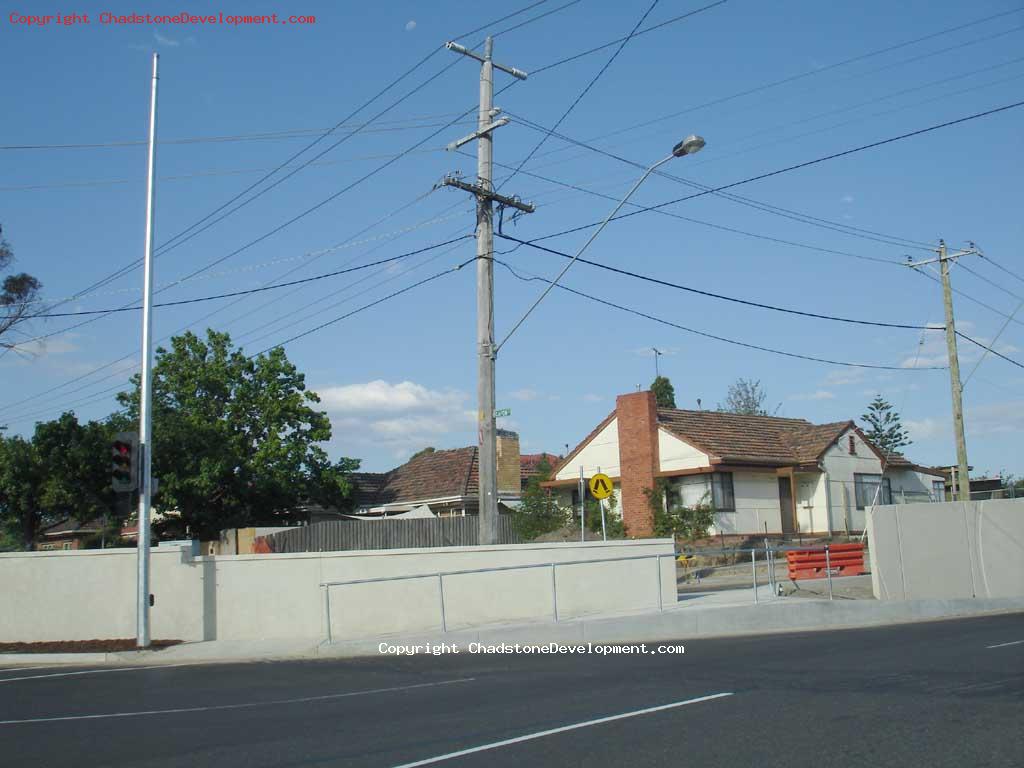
{"x": 843, "y": 559}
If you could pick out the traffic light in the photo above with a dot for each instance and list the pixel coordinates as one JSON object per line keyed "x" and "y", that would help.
{"x": 124, "y": 468}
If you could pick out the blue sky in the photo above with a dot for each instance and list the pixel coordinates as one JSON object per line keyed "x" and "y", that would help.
{"x": 402, "y": 375}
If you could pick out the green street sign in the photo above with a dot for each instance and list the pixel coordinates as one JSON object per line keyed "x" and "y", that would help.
{"x": 502, "y": 412}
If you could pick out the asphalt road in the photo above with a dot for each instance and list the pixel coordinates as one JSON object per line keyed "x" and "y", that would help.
{"x": 937, "y": 694}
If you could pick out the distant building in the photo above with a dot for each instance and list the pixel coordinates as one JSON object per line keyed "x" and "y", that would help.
{"x": 68, "y": 534}
{"x": 761, "y": 474}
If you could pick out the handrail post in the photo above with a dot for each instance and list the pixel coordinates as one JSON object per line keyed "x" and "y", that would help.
{"x": 554, "y": 593}
{"x": 661, "y": 596}
{"x": 440, "y": 591}
{"x": 828, "y": 571}
{"x": 327, "y": 612}
{"x": 753, "y": 569}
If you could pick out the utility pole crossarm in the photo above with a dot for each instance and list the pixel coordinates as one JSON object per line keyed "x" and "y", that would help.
{"x": 478, "y": 190}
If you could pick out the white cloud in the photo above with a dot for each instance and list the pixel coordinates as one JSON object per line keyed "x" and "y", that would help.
{"x": 382, "y": 397}
{"x": 821, "y": 394}
{"x": 841, "y": 378}
{"x": 927, "y": 428}
{"x": 165, "y": 41}
{"x": 410, "y": 25}
{"x": 400, "y": 417}
{"x": 1002, "y": 418}
{"x": 847, "y": 199}
{"x": 525, "y": 394}
{"x": 590, "y": 398}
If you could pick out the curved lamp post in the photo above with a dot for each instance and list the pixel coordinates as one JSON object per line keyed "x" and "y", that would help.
{"x": 688, "y": 146}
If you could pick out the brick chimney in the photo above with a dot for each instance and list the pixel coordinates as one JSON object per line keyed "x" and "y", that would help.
{"x": 509, "y": 483}
{"x": 637, "y": 416}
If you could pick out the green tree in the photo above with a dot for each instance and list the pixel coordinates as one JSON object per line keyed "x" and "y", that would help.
{"x": 63, "y": 471}
{"x": 235, "y": 439}
{"x": 884, "y": 428}
{"x": 538, "y": 513}
{"x": 745, "y": 397}
{"x": 674, "y": 519}
{"x": 423, "y": 452}
{"x": 664, "y": 392}
{"x": 17, "y": 293}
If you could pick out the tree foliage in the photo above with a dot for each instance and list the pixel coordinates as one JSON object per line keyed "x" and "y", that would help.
{"x": 674, "y": 519}
{"x": 884, "y": 428}
{"x": 664, "y": 392}
{"x": 62, "y": 471}
{"x": 17, "y": 293}
{"x": 235, "y": 439}
{"x": 746, "y": 397}
{"x": 538, "y": 513}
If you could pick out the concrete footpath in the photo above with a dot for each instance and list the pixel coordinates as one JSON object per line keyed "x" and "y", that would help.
{"x": 681, "y": 622}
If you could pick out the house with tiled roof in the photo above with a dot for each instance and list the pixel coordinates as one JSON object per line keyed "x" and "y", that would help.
{"x": 68, "y": 534}
{"x": 761, "y": 474}
{"x": 446, "y": 481}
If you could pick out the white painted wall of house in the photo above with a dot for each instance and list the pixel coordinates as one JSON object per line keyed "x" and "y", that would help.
{"x": 602, "y": 451}
{"x": 675, "y": 454}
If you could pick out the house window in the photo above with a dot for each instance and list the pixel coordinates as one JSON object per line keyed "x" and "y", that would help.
{"x": 939, "y": 490}
{"x": 853, "y": 445}
{"x": 866, "y": 487}
{"x": 722, "y": 495}
{"x": 66, "y": 545}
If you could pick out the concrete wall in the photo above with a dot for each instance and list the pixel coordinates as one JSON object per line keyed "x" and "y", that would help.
{"x": 91, "y": 594}
{"x": 947, "y": 550}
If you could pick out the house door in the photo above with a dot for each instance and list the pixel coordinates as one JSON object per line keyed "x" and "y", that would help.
{"x": 786, "y": 506}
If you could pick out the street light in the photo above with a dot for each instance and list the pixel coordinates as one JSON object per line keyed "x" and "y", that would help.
{"x": 691, "y": 145}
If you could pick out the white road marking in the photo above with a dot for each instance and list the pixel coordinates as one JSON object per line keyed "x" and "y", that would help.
{"x": 1003, "y": 645}
{"x": 563, "y": 729}
{"x": 88, "y": 672}
{"x": 247, "y": 705}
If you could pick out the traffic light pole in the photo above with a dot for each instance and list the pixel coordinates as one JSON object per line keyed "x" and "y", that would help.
{"x": 146, "y": 394}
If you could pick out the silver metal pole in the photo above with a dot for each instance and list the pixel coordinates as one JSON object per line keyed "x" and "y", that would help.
{"x": 554, "y": 593}
{"x": 604, "y": 527}
{"x": 327, "y": 612}
{"x": 440, "y": 592}
{"x": 657, "y": 569}
{"x": 583, "y": 505}
{"x": 486, "y": 351}
{"x": 753, "y": 569}
{"x": 142, "y": 639}
{"x": 828, "y": 571}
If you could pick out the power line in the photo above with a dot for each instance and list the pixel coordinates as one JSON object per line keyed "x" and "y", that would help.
{"x": 1001, "y": 268}
{"x": 702, "y": 222}
{"x": 709, "y": 294}
{"x": 586, "y": 89}
{"x": 167, "y": 245}
{"x": 338, "y": 319}
{"x": 992, "y": 283}
{"x": 786, "y": 213}
{"x": 989, "y": 349}
{"x": 713, "y": 336}
{"x": 829, "y": 67}
{"x": 797, "y": 166}
{"x": 967, "y": 296}
{"x": 261, "y": 289}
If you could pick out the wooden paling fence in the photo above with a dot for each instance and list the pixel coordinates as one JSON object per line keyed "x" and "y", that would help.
{"x": 338, "y": 535}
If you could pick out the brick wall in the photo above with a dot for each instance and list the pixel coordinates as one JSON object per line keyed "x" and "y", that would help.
{"x": 508, "y": 463}
{"x": 638, "y": 458}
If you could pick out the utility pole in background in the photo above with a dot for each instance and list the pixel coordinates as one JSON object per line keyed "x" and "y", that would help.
{"x": 142, "y": 639}
{"x": 486, "y": 354}
{"x": 657, "y": 353}
{"x": 962, "y": 475}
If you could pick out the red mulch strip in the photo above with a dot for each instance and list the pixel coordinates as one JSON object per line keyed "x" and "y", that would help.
{"x": 81, "y": 646}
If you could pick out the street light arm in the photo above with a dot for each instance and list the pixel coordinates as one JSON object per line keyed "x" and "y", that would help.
{"x": 579, "y": 253}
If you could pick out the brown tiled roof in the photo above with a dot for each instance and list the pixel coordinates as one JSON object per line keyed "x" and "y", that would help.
{"x": 70, "y": 525}
{"x": 529, "y": 462}
{"x": 732, "y": 438}
{"x": 434, "y": 475}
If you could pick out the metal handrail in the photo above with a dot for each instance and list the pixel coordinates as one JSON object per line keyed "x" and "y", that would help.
{"x": 440, "y": 575}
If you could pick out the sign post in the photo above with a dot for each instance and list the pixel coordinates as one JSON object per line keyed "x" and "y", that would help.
{"x": 601, "y": 487}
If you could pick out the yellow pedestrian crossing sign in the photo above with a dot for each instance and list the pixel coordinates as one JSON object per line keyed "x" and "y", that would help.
{"x": 601, "y": 486}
